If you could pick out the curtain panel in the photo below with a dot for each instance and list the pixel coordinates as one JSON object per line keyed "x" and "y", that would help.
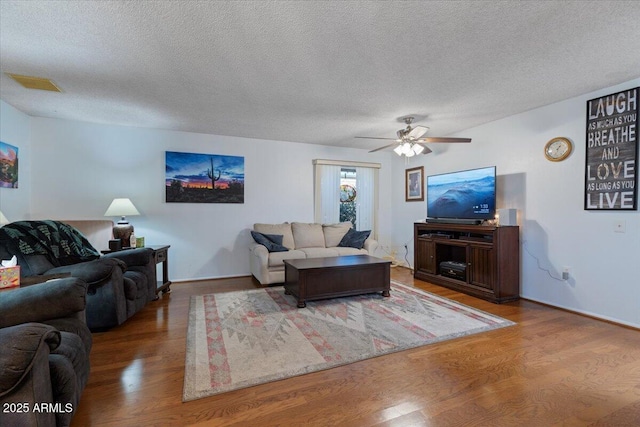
{"x": 327, "y": 193}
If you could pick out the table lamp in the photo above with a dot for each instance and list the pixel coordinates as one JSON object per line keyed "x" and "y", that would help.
{"x": 122, "y": 229}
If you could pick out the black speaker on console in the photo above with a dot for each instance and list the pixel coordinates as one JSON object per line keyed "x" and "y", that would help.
{"x": 454, "y": 270}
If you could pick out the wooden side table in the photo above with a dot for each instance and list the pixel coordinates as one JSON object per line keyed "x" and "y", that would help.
{"x": 161, "y": 255}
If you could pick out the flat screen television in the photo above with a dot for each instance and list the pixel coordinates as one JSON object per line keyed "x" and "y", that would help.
{"x": 468, "y": 195}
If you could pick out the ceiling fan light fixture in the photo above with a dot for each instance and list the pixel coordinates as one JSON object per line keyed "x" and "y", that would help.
{"x": 410, "y": 140}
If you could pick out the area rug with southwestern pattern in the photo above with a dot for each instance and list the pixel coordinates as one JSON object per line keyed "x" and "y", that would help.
{"x": 241, "y": 339}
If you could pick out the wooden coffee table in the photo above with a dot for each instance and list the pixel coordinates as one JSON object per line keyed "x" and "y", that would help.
{"x": 319, "y": 278}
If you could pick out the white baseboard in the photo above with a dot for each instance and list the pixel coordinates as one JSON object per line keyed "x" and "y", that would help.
{"x": 583, "y": 312}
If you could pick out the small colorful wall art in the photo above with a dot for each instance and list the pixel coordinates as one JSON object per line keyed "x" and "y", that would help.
{"x": 8, "y": 166}
{"x": 204, "y": 178}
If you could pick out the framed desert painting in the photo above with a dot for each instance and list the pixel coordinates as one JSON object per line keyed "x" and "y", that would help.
{"x": 203, "y": 178}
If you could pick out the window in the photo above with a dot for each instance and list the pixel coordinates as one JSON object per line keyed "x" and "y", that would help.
{"x": 348, "y": 195}
{"x": 346, "y": 191}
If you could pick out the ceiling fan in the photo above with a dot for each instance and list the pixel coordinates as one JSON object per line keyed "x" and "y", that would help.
{"x": 410, "y": 140}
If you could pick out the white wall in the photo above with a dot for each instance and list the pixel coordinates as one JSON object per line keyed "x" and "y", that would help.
{"x": 80, "y": 167}
{"x": 72, "y": 170}
{"x": 555, "y": 229}
{"x": 15, "y": 129}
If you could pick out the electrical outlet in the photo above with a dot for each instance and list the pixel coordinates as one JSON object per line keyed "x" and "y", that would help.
{"x": 565, "y": 273}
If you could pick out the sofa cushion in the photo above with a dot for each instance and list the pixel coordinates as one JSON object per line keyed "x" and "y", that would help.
{"x": 333, "y": 233}
{"x": 274, "y": 238}
{"x": 282, "y": 229}
{"x": 92, "y": 272}
{"x": 273, "y": 242}
{"x": 307, "y": 235}
{"x": 64, "y": 386}
{"x": 320, "y": 252}
{"x": 343, "y": 251}
{"x": 130, "y": 288}
{"x": 354, "y": 239}
{"x": 277, "y": 258}
{"x": 72, "y": 348}
{"x": 69, "y": 295}
{"x": 26, "y": 339}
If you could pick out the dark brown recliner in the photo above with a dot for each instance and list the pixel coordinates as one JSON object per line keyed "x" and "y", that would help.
{"x": 44, "y": 355}
{"x": 119, "y": 284}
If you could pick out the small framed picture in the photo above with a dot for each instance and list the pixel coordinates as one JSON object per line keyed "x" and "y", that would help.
{"x": 414, "y": 188}
{"x": 8, "y": 166}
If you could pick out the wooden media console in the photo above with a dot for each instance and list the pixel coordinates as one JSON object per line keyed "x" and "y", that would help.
{"x": 491, "y": 255}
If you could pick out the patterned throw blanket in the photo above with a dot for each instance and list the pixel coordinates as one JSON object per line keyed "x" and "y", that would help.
{"x": 60, "y": 242}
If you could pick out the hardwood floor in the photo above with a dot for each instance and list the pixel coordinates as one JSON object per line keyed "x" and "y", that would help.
{"x": 552, "y": 368}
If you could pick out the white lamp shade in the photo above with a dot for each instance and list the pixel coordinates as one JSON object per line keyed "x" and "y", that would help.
{"x": 121, "y": 207}
{"x": 3, "y": 219}
{"x": 398, "y": 150}
{"x": 417, "y": 148}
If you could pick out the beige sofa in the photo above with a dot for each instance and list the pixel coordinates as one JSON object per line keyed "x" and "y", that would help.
{"x": 304, "y": 240}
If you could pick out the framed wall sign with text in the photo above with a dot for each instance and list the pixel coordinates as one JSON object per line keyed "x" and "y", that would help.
{"x": 611, "y": 178}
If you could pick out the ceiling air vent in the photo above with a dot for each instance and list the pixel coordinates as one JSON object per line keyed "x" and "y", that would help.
{"x": 35, "y": 82}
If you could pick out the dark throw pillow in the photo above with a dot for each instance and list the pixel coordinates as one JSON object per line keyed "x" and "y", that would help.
{"x": 354, "y": 239}
{"x": 273, "y": 242}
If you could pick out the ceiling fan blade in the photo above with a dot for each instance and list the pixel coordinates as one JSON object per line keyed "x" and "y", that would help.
{"x": 427, "y": 150}
{"x": 417, "y": 132}
{"x": 373, "y": 137}
{"x": 443, "y": 139}
{"x": 382, "y": 148}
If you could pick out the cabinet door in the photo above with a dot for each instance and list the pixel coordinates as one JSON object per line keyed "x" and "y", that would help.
{"x": 482, "y": 266}
{"x": 425, "y": 256}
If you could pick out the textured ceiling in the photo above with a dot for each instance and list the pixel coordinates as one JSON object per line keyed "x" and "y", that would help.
{"x": 314, "y": 72}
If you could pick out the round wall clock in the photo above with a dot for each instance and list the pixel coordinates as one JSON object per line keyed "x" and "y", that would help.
{"x": 558, "y": 149}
